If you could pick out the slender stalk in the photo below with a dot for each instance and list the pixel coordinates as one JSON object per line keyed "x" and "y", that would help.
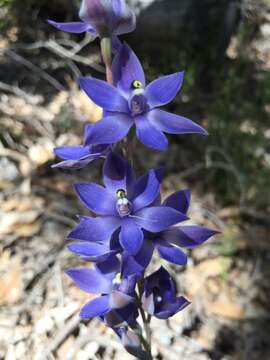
{"x": 106, "y": 52}
{"x": 147, "y": 341}
{"x": 128, "y": 147}
{"x": 109, "y": 75}
{"x": 146, "y": 322}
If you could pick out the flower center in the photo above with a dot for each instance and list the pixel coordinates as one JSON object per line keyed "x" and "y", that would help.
{"x": 123, "y": 205}
{"x": 138, "y": 104}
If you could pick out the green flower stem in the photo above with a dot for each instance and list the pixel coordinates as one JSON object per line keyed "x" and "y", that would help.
{"x": 128, "y": 147}
{"x": 106, "y": 52}
{"x": 147, "y": 341}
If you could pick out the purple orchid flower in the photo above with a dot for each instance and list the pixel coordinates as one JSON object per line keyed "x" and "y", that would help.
{"x": 101, "y": 18}
{"x": 77, "y": 157}
{"x": 124, "y": 204}
{"x": 168, "y": 242}
{"x": 159, "y": 297}
{"x": 132, "y": 102}
{"x": 116, "y": 304}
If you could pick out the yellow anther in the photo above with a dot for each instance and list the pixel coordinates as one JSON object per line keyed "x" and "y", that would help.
{"x": 117, "y": 279}
{"x": 121, "y": 193}
{"x": 118, "y": 276}
{"x": 137, "y": 84}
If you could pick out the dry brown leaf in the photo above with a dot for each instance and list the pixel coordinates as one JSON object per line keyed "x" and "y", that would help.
{"x": 28, "y": 230}
{"x": 225, "y": 308}
{"x": 197, "y": 279}
{"x": 11, "y": 285}
{"x": 12, "y": 221}
{"x": 65, "y": 347}
{"x": 229, "y": 212}
{"x": 22, "y": 203}
{"x": 194, "y": 283}
{"x": 205, "y": 341}
{"x": 213, "y": 267}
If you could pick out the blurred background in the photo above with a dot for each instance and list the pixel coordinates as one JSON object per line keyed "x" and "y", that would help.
{"x": 224, "y": 46}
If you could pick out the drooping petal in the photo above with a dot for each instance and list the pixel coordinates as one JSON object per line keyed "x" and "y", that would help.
{"x": 131, "y": 236}
{"x": 108, "y": 17}
{"x": 75, "y": 164}
{"x": 109, "y": 267}
{"x": 117, "y": 173}
{"x": 95, "y": 308}
{"x": 131, "y": 342}
{"x": 138, "y": 263}
{"x": 71, "y": 152}
{"x": 189, "y": 236}
{"x": 73, "y": 27}
{"x": 116, "y": 44}
{"x": 173, "y": 124}
{"x": 104, "y": 95}
{"x": 130, "y": 265}
{"x": 113, "y": 320}
{"x": 94, "y": 11}
{"x": 148, "y": 303}
{"x": 171, "y": 253}
{"x": 126, "y": 69}
{"x": 90, "y": 280}
{"x": 179, "y": 201}
{"x": 163, "y": 90}
{"x": 171, "y": 309}
{"x": 142, "y": 182}
{"x": 87, "y": 132}
{"x": 128, "y": 285}
{"x": 94, "y": 229}
{"x": 114, "y": 243}
{"x": 148, "y": 193}
{"x": 124, "y": 18}
{"x": 158, "y": 218}
{"x": 96, "y": 198}
{"x": 91, "y": 251}
{"x": 149, "y": 135}
{"x": 122, "y": 317}
{"x": 118, "y": 299}
{"x": 144, "y": 256}
{"x": 77, "y": 157}
{"x": 160, "y": 276}
{"x": 110, "y": 129}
